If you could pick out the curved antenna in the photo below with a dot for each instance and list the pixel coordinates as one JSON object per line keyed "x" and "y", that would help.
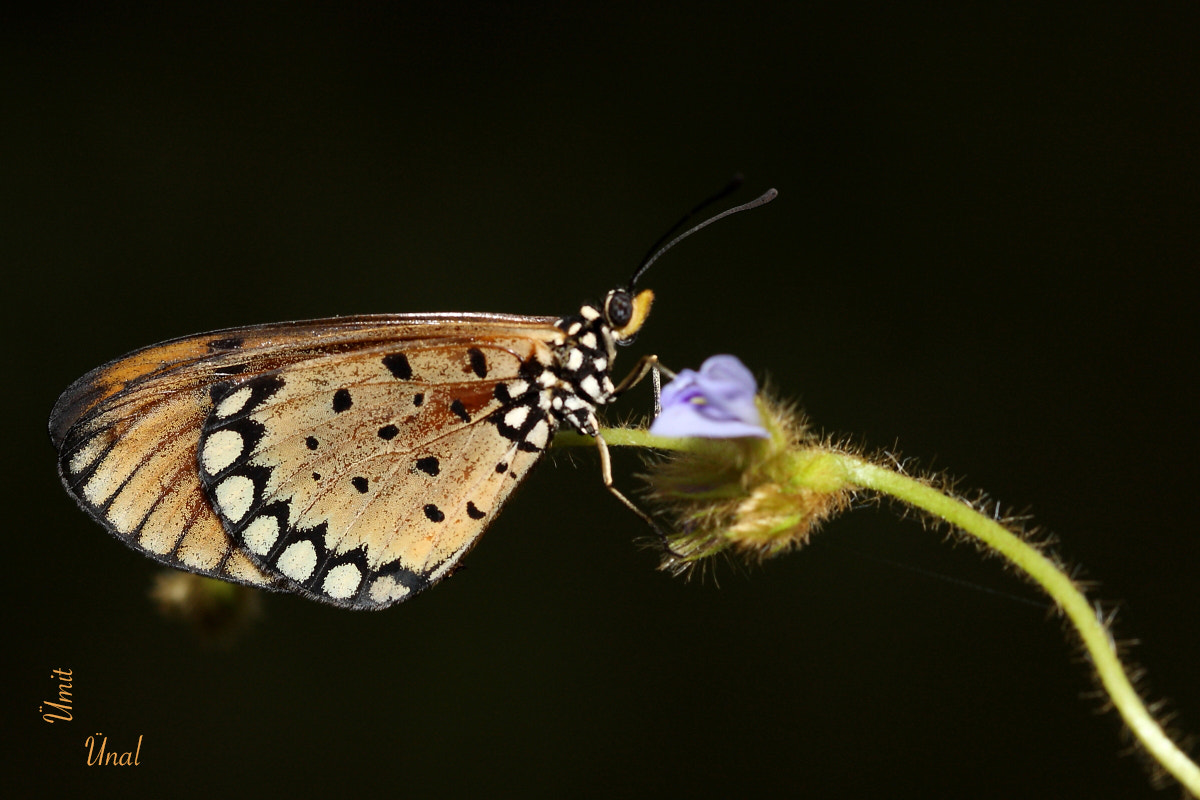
{"x": 657, "y": 251}
{"x": 734, "y": 184}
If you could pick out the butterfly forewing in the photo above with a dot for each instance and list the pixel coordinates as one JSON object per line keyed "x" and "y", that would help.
{"x": 129, "y": 432}
{"x": 363, "y": 477}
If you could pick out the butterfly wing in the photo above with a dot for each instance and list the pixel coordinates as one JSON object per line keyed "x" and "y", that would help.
{"x": 128, "y": 433}
{"x": 364, "y": 477}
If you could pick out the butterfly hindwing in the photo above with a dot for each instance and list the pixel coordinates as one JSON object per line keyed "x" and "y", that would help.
{"x": 364, "y": 477}
{"x": 128, "y": 433}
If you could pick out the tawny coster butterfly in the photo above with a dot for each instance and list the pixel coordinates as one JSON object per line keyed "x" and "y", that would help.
{"x": 351, "y": 460}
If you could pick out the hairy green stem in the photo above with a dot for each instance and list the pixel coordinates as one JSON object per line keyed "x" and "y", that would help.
{"x": 1065, "y": 593}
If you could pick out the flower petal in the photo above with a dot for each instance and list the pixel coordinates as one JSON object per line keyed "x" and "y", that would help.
{"x": 715, "y": 403}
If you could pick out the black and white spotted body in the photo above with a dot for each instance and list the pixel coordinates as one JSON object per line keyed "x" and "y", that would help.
{"x": 564, "y": 386}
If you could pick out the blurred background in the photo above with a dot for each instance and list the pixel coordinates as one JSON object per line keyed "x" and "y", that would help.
{"x": 983, "y": 255}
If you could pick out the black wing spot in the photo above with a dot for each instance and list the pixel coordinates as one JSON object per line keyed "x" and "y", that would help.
{"x": 397, "y": 364}
{"x": 310, "y": 442}
{"x": 341, "y": 400}
{"x": 429, "y": 465}
{"x": 418, "y": 398}
{"x": 473, "y": 512}
{"x": 501, "y": 467}
{"x": 388, "y": 432}
{"x": 316, "y": 476}
{"x": 433, "y": 513}
{"x": 460, "y": 410}
{"x": 478, "y": 362}
{"x": 360, "y": 483}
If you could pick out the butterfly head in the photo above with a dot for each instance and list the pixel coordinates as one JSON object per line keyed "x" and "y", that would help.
{"x": 626, "y": 312}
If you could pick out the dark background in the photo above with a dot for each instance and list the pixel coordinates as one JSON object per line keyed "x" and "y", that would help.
{"x": 983, "y": 253}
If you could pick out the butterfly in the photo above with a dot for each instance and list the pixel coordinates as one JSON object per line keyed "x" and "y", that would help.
{"x": 350, "y": 460}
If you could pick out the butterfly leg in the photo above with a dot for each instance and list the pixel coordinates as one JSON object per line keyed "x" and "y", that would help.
{"x": 647, "y": 365}
{"x": 607, "y": 478}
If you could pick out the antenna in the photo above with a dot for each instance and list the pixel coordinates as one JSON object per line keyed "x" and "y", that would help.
{"x": 656, "y": 250}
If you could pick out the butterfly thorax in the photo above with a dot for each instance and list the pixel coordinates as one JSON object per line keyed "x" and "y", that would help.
{"x": 565, "y": 383}
{"x": 561, "y": 385}
{"x": 582, "y": 367}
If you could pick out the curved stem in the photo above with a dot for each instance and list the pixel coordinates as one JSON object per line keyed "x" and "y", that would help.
{"x": 1062, "y": 590}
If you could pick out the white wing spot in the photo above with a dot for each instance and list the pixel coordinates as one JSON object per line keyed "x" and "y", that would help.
{"x": 600, "y": 364}
{"x": 387, "y": 589}
{"x": 298, "y": 560}
{"x": 516, "y": 416}
{"x": 575, "y": 359}
{"x": 220, "y": 450}
{"x": 518, "y": 388}
{"x": 260, "y": 535}
{"x": 235, "y": 495}
{"x": 341, "y": 581}
{"x": 574, "y": 329}
{"x": 85, "y": 455}
{"x": 588, "y": 340}
{"x": 587, "y": 312}
{"x": 234, "y": 403}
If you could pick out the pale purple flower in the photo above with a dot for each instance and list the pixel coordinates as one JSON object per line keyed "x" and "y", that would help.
{"x": 715, "y": 403}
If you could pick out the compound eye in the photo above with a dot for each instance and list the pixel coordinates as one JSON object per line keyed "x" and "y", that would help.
{"x": 626, "y": 314}
{"x": 618, "y": 308}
